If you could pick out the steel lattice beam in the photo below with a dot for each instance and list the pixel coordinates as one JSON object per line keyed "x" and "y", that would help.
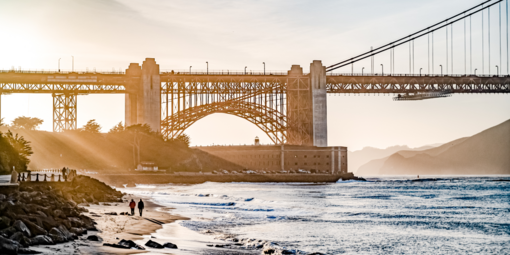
{"x": 64, "y": 112}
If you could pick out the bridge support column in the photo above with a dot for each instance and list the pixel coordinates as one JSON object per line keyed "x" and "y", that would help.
{"x": 143, "y": 100}
{"x": 299, "y": 108}
{"x": 319, "y": 103}
{"x": 64, "y": 111}
{"x": 307, "y": 106}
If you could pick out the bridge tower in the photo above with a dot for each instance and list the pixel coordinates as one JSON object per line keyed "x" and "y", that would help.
{"x": 307, "y": 106}
{"x": 143, "y": 97}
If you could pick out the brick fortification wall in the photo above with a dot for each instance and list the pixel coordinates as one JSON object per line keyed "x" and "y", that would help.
{"x": 286, "y": 157}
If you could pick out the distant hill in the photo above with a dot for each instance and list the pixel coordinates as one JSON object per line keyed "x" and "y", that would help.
{"x": 106, "y": 152}
{"x": 487, "y": 152}
{"x": 363, "y": 156}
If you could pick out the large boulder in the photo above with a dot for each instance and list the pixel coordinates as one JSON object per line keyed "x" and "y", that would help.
{"x": 57, "y": 236}
{"x": 4, "y": 222}
{"x": 6, "y": 232}
{"x": 94, "y": 238}
{"x": 35, "y": 229}
{"x": 153, "y": 244}
{"x": 40, "y": 239}
{"x": 20, "y": 226}
{"x": 20, "y": 238}
{"x": 130, "y": 244}
{"x": 78, "y": 231}
{"x": 76, "y": 222}
{"x": 59, "y": 214}
{"x": 170, "y": 245}
{"x": 8, "y": 246}
{"x": 69, "y": 235}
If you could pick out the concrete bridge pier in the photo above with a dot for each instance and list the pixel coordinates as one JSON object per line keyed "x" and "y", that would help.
{"x": 143, "y": 97}
{"x": 319, "y": 103}
{"x": 307, "y": 106}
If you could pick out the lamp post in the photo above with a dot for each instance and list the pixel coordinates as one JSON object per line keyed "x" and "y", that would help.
{"x": 382, "y": 69}
{"x": 207, "y": 62}
{"x": 441, "y": 69}
{"x": 190, "y": 70}
{"x": 420, "y": 71}
{"x": 497, "y": 70}
{"x": 72, "y": 70}
{"x": 59, "y": 65}
{"x": 264, "y": 67}
{"x": 245, "y": 70}
{"x": 475, "y": 70}
{"x": 363, "y": 68}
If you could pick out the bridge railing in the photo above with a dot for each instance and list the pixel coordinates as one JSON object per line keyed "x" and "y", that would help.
{"x": 223, "y": 72}
{"x": 416, "y": 75}
{"x": 54, "y": 72}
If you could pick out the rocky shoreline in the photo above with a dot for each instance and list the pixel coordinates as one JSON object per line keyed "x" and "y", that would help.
{"x": 47, "y": 213}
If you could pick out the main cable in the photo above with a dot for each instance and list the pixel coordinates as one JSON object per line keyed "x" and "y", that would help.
{"x": 382, "y": 49}
{"x": 403, "y": 38}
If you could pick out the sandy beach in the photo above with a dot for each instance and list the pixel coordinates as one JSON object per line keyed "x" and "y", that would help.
{"x": 113, "y": 228}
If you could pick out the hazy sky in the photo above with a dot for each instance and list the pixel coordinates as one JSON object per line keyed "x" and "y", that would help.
{"x": 108, "y": 35}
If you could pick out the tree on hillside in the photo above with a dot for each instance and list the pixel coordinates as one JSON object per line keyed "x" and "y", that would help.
{"x": 182, "y": 139}
{"x": 2, "y": 122}
{"x": 27, "y": 123}
{"x": 117, "y": 129}
{"x": 140, "y": 128}
{"x": 22, "y": 148}
{"x": 92, "y": 127}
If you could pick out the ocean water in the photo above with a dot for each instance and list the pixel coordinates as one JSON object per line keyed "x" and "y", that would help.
{"x": 458, "y": 215}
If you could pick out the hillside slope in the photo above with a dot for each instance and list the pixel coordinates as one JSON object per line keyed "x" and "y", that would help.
{"x": 363, "y": 156}
{"x": 105, "y": 152}
{"x": 484, "y": 153}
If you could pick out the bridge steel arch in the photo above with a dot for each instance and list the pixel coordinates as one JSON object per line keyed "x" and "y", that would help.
{"x": 262, "y": 101}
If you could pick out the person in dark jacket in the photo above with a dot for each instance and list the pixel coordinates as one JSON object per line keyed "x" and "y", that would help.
{"x": 132, "y": 205}
{"x": 140, "y": 206}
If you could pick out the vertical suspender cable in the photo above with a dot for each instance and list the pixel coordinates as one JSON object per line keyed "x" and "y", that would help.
{"x": 507, "y": 71}
{"x": 451, "y": 35}
{"x": 413, "y": 57}
{"x": 483, "y": 48}
{"x": 489, "y": 35}
{"x": 500, "y": 66}
{"x": 409, "y": 57}
{"x": 428, "y": 53}
{"x": 432, "y": 52}
{"x": 446, "y": 51}
{"x": 372, "y": 59}
{"x": 465, "y": 64}
{"x": 470, "y": 47}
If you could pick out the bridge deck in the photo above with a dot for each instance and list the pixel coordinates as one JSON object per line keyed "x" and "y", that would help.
{"x": 236, "y": 82}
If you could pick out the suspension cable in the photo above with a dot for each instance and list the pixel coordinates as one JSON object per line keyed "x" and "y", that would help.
{"x": 471, "y": 47}
{"x": 400, "y": 42}
{"x": 413, "y": 34}
{"x": 483, "y": 47}
{"x": 489, "y": 36}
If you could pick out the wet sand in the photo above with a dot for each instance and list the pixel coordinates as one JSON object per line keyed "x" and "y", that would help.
{"x": 113, "y": 228}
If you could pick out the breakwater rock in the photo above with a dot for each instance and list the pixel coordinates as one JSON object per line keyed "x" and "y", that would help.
{"x": 47, "y": 213}
{"x": 194, "y": 178}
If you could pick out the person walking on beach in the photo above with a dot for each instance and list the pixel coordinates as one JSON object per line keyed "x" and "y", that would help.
{"x": 140, "y": 206}
{"x": 132, "y": 205}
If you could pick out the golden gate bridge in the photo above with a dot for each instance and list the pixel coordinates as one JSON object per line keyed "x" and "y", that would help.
{"x": 290, "y": 107}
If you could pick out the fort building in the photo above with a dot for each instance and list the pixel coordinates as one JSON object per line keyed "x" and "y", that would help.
{"x": 284, "y": 157}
